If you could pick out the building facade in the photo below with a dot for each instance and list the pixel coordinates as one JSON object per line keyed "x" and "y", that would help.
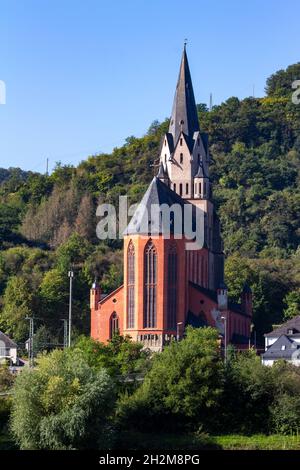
{"x": 168, "y": 285}
{"x": 283, "y": 343}
{"x": 8, "y": 350}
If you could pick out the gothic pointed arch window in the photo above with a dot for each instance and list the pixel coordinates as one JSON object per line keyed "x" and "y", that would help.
{"x": 130, "y": 285}
{"x": 114, "y": 324}
{"x": 150, "y": 285}
{"x": 172, "y": 287}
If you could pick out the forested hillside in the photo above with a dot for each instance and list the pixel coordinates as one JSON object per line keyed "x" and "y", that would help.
{"x": 47, "y": 223}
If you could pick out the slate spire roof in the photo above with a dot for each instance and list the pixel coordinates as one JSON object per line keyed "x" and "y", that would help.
{"x": 145, "y": 220}
{"x": 200, "y": 173}
{"x": 184, "y": 113}
{"x": 161, "y": 172}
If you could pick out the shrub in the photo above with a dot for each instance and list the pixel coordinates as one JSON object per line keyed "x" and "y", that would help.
{"x": 62, "y": 404}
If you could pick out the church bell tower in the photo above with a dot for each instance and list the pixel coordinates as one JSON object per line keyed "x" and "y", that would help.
{"x": 184, "y": 167}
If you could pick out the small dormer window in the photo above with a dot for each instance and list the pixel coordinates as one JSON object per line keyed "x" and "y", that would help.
{"x": 283, "y": 347}
{"x": 181, "y": 158}
{"x": 290, "y": 331}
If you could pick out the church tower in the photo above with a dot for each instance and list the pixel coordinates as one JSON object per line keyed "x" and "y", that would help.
{"x": 184, "y": 166}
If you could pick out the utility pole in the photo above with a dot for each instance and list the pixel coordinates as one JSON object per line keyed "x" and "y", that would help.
{"x": 30, "y": 343}
{"x": 65, "y": 343}
{"x": 47, "y": 166}
{"x": 71, "y": 276}
{"x": 210, "y": 101}
{"x": 225, "y": 338}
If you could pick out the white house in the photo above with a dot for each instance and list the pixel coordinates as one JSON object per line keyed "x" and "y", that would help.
{"x": 8, "y": 349}
{"x": 283, "y": 343}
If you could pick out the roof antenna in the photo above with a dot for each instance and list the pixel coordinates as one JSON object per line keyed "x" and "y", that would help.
{"x": 185, "y": 43}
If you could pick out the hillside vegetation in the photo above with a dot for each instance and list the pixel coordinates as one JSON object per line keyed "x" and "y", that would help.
{"x": 47, "y": 223}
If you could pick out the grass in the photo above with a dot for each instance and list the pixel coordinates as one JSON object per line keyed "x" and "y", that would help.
{"x": 258, "y": 442}
{"x": 191, "y": 442}
{"x": 164, "y": 441}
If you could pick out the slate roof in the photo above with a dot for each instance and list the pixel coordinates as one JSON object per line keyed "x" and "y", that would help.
{"x": 195, "y": 321}
{"x": 283, "y": 348}
{"x": 211, "y": 294}
{"x": 184, "y": 106}
{"x": 157, "y": 194}
{"x": 7, "y": 341}
{"x": 234, "y": 307}
{"x": 293, "y": 324}
{"x": 200, "y": 173}
{"x": 161, "y": 172}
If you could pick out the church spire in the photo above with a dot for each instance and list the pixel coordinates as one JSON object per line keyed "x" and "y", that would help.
{"x": 184, "y": 113}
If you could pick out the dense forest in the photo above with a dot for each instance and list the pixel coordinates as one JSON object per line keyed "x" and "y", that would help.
{"x": 47, "y": 222}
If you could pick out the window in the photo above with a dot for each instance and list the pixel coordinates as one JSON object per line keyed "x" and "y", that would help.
{"x": 290, "y": 332}
{"x": 172, "y": 287}
{"x": 283, "y": 347}
{"x": 180, "y": 189}
{"x": 165, "y": 142}
{"x": 195, "y": 188}
{"x": 150, "y": 285}
{"x": 130, "y": 285}
{"x": 114, "y": 324}
{"x": 181, "y": 158}
{"x": 187, "y": 188}
{"x": 181, "y": 141}
{"x": 200, "y": 188}
{"x": 174, "y": 187}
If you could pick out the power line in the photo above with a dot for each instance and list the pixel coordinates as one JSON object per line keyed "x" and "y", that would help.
{"x": 30, "y": 341}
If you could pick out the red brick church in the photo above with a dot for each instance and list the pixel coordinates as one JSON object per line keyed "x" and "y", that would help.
{"x": 167, "y": 286}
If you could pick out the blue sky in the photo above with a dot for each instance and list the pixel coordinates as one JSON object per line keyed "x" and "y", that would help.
{"x": 81, "y": 76}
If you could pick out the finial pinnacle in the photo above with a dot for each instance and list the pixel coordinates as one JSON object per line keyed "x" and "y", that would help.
{"x": 185, "y": 43}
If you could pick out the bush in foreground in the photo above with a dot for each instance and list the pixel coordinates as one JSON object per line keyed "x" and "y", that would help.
{"x": 182, "y": 388}
{"x": 62, "y": 404}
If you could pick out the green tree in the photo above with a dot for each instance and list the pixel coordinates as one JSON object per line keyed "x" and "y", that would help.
{"x": 248, "y": 395}
{"x": 62, "y": 404}
{"x": 183, "y": 386}
{"x": 292, "y": 301}
{"x": 285, "y": 409}
{"x": 20, "y": 301}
